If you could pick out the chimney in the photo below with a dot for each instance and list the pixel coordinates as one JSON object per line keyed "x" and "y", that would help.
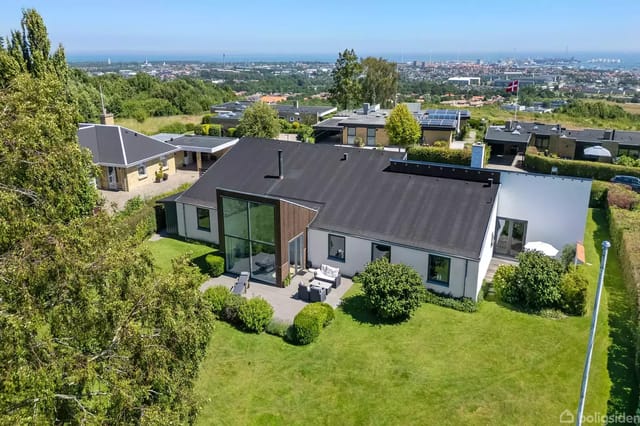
{"x": 296, "y": 104}
{"x": 490, "y": 182}
{"x": 345, "y": 156}
{"x": 365, "y": 108}
{"x": 280, "y": 165}
{"x": 107, "y": 118}
{"x": 477, "y": 155}
{"x": 613, "y": 135}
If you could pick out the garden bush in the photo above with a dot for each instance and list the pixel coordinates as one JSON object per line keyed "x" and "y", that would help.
{"x": 231, "y": 310}
{"x": 215, "y": 130}
{"x": 504, "y": 284}
{"x": 534, "y": 284}
{"x": 568, "y": 256}
{"x": 255, "y": 314}
{"x": 598, "y": 195}
{"x": 217, "y": 297}
{"x": 231, "y": 132}
{"x": 310, "y": 321}
{"x": 139, "y": 218}
{"x": 439, "y": 155}
{"x": 216, "y": 264}
{"x": 175, "y": 127}
{"x": 462, "y": 304}
{"x": 573, "y": 287}
{"x": 277, "y": 328}
{"x": 622, "y": 196}
{"x": 393, "y": 291}
{"x": 585, "y": 169}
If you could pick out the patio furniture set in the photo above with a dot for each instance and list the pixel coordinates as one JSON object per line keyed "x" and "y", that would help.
{"x": 324, "y": 279}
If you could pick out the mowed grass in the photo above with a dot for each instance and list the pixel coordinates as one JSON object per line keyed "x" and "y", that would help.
{"x": 495, "y": 366}
{"x": 166, "y": 249}
{"x": 152, "y": 125}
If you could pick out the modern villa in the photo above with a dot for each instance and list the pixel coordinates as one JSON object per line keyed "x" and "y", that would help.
{"x": 276, "y": 208}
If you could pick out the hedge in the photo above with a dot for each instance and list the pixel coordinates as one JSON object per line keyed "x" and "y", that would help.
{"x": 216, "y": 264}
{"x": 309, "y": 322}
{"x": 583, "y": 169}
{"x": 139, "y": 217}
{"x": 439, "y": 155}
{"x": 462, "y": 304}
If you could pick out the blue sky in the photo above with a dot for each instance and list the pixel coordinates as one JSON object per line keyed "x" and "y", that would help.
{"x": 241, "y": 27}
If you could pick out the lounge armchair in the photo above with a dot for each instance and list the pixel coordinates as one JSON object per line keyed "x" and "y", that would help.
{"x": 240, "y": 287}
{"x": 317, "y": 294}
{"x": 329, "y": 274}
{"x": 303, "y": 292}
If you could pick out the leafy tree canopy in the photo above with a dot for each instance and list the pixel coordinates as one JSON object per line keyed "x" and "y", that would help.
{"x": 260, "y": 121}
{"x": 403, "y": 129}
{"x": 380, "y": 83}
{"x": 346, "y": 90}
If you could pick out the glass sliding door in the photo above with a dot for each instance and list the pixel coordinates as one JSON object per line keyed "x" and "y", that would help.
{"x": 511, "y": 236}
{"x": 296, "y": 254}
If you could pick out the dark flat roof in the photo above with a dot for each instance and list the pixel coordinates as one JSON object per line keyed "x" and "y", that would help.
{"x": 304, "y": 109}
{"x": 207, "y": 143}
{"x": 496, "y": 134}
{"x": 360, "y": 196}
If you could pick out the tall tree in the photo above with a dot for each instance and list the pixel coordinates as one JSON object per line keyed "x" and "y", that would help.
{"x": 402, "y": 127}
{"x": 259, "y": 121}
{"x": 45, "y": 177}
{"x": 380, "y": 83}
{"x": 91, "y": 334}
{"x": 346, "y": 90}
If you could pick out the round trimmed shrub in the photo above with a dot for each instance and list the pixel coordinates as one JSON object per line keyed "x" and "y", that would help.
{"x": 393, "y": 290}
{"x": 325, "y": 311}
{"x": 538, "y": 278}
{"x": 231, "y": 310}
{"x": 255, "y": 314}
{"x": 574, "y": 293}
{"x": 216, "y": 264}
{"x": 217, "y": 297}
{"x": 306, "y": 326}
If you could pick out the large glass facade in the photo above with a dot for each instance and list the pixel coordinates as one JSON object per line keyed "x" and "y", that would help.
{"x": 249, "y": 229}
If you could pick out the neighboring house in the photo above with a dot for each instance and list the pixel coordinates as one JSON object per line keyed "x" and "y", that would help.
{"x": 126, "y": 158}
{"x": 515, "y": 136}
{"x": 277, "y": 207}
{"x": 198, "y": 150}
{"x": 368, "y": 123}
{"x": 229, "y": 114}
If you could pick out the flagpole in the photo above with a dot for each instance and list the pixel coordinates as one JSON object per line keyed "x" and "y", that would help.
{"x": 515, "y": 110}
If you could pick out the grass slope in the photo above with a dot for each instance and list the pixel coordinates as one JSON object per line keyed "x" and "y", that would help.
{"x": 152, "y": 125}
{"x": 166, "y": 249}
{"x": 496, "y": 366}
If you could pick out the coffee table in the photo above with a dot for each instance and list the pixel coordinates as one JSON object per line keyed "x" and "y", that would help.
{"x": 322, "y": 284}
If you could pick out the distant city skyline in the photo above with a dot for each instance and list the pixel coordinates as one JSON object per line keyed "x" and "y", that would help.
{"x": 415, "y": 29}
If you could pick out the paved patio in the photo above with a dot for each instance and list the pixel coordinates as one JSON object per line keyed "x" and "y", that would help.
{"x": 285, "y": 301}
{"x": 151, "y": 189}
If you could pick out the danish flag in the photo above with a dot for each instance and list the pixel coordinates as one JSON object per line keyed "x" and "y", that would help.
{"x": 512, "y": 87}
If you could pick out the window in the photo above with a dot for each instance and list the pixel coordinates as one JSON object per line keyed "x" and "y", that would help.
{"x": 336, "y": 247}
{"x": 371, "y": 137}
{"x": 351, "y": 135}
{"x": 438, "y": 272}
{"x": 542, "y": 142}
{"x": 142, "y": 170}
{"x": 204, "y": 222}
{"x": 380, "y": 250}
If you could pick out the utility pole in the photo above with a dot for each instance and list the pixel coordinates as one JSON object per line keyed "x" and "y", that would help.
{"x": 592, "y": 333}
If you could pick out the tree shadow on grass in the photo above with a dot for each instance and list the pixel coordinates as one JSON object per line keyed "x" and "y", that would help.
{"x": 623, "y": 396}
{"x": 356, "y": 306}
{"x": 201, "y": 263}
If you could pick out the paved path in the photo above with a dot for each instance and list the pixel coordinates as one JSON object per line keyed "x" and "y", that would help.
{"x": 285, "y": 301}
{"x": 149, "y": 190}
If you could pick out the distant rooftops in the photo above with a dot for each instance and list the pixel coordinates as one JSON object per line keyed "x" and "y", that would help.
{"x": 236, "y": 108}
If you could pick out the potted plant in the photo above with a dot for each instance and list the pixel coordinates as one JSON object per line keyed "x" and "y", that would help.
{"x": 159, "y": 175}
{"x": 165, "y": 176}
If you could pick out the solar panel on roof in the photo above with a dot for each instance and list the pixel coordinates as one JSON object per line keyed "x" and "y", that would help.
{"x": 439, "y": 123}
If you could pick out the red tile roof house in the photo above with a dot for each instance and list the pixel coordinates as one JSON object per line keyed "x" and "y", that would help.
{"x": 276, "y": 207}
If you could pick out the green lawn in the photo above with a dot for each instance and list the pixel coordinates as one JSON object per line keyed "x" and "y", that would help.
{"x": 495, "y": 366}
{"x": 166, "y": 249}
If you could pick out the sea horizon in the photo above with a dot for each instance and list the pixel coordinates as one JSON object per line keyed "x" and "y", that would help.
{"x": 627, "y": 59}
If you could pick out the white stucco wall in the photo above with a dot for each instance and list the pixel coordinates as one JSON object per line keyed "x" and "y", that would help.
{"x": 188, "y": 224}
{"x": 487, "y": 246}
{"x": 463, "y": 275}
{"x": 555, "y": 207}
